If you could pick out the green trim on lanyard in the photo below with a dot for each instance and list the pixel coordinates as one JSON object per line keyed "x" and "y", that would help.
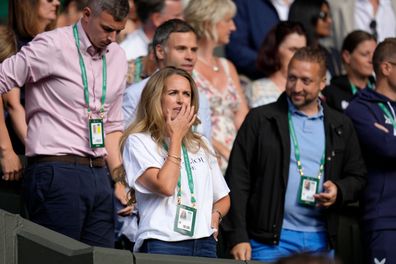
{"x": 388, "y": 114}
{"x": 84, "y": 75}
{"x": 297, "y": 150}
{"x": 354, "y": 88}
{"x": 189, "y": 177}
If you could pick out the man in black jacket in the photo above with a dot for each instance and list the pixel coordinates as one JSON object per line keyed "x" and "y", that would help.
{"x": 293, "y": 165}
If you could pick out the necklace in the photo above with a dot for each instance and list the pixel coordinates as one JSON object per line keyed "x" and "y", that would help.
{"x": 215, "y": 68}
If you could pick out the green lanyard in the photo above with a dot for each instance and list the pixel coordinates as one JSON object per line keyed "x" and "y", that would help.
{"x": 138, "y": 70}
{"x": 297, "y": 150}
{"x": 189, "y": 177}
{"x": 354, "y": 89}
{"x": 84, "y": 75}
{"x": 388, "y": 114}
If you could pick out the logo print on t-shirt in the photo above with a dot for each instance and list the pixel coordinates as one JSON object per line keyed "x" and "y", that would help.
{"x": 344, "y": 104}
{"x": 376, "y": 261}
{"x": 196, "y": 161}
{"x": 387, "y": 120}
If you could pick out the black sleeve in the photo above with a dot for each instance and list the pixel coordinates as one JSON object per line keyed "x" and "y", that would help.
{"x": 238, "y": 177}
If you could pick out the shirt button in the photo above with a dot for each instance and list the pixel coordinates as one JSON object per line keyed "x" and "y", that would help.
{"x": 274, "y": 242}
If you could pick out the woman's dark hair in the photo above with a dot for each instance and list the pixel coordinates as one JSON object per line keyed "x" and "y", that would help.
{"x": 353, "y": 39}
{"x": 145, "y": 8}
{"x": 307, "y": 12}
{"x": 268, "y": 58}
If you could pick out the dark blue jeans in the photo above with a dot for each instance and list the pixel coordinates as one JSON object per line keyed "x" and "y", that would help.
{"x": 72, "y": 199}
{"x": 203, "y": 247}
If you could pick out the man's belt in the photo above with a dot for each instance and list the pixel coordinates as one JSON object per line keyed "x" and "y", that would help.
{"x": 73, "y": 159}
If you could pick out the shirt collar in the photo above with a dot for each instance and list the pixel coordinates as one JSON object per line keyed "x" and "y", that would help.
{"x": 86, "y": 45}
{"x": 294, "y": 111}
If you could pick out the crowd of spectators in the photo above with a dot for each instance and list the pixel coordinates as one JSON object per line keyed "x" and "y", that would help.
{"x": 140, "y": 124}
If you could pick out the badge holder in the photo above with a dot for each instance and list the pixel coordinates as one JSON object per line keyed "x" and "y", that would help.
{"x": 185, "y": 220}
{"x": 308, "y": 187}
{"x": 96, "y": 133}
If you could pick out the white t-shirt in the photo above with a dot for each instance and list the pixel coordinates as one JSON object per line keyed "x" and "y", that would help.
{"x": 157, "y": 212}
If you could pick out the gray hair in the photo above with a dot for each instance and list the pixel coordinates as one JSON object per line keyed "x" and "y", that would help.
{"x": 119, "y": 9}
{"x": 203, "y": 15}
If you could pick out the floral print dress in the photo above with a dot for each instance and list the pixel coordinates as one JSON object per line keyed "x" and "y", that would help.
{"x": 223, "y": 105}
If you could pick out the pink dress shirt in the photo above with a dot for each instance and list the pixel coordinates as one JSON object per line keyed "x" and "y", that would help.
{"x": 56, "y": 112}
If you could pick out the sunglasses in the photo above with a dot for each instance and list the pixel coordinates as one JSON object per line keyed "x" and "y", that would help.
{"x": 324, "y": 15}
{"x": 373, "y": 27}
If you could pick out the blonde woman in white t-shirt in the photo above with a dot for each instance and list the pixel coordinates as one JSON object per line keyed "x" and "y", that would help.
{"x": 180, "y": 191}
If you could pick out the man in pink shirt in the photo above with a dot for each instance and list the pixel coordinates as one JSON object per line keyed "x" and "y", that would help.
{"x": 74, "y": 78}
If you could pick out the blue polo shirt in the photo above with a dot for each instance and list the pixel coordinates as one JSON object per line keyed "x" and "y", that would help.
{"x": 311, "y": 141}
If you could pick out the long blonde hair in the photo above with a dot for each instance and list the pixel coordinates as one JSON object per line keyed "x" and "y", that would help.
{"x": 150, "y": 117}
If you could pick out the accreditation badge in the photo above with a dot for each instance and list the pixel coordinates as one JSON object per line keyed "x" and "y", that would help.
{"x": 308, "y": 187}
{"x": 96, "y": 134}
{"x": 185, "y": 220}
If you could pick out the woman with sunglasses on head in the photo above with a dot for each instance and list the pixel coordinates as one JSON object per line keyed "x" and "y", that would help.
{"x": 180, "y": 191}
{"x": 316, "y": 18}
{"x": 357, "y": 53}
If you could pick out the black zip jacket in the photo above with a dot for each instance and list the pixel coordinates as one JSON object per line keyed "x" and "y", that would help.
{"x": 258, "y": 171}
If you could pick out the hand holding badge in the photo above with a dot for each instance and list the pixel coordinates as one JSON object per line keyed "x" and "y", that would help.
{"x": 329, "y": 196}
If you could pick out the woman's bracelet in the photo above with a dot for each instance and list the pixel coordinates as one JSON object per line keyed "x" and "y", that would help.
{"x": 219, "y": 213}
{"x": 174, "y": 162}
{"x": 174, "y": 156}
